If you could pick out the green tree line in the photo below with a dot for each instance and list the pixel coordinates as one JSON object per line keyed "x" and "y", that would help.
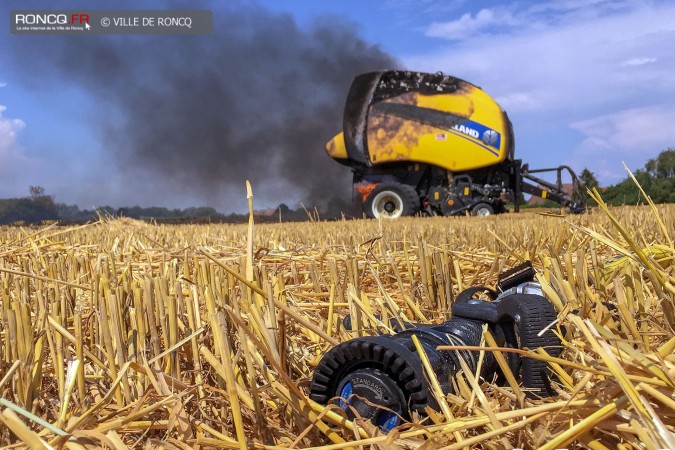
{"x": 40, "y": 207}
{"x": 657, "y": 178}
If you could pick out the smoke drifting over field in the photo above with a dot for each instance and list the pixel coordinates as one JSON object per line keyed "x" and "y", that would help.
{"x": 258, "y": 99}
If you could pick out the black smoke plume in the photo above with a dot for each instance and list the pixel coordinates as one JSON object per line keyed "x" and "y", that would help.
{"x": 257, "y": 99}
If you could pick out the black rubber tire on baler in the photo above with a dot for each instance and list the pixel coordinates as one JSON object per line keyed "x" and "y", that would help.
{"x": 532, "y": 314}
{"x": 482, "y": 209}
{"x": 403, "y": 197}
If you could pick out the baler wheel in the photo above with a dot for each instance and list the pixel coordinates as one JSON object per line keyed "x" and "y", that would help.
{"x": 482, "y": 209}
{"x": 392, "y": 200}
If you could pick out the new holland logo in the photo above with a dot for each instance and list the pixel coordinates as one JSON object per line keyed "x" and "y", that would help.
{"x": 465, "y": 129}
{"x": 490, "y": 137}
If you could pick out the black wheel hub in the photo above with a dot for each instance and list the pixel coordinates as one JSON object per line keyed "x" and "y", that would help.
{"x": 381, "y": 378}
{"x": 390, "y": 207}
{"x": 367, "y": 368}
{"x": 371, "y": 394}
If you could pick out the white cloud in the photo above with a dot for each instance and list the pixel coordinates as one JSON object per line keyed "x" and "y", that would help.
{"x": 631, "y": 136}
{"x": 15, "y": 165}
{"x": 2, "y": 84}
{"x": 519, "y": 101}
{"x": 8, "y": 134}
{"x": 468, "y": 25}
{"x": 518, "y": 17}
{"x": 633, "y": 131}
{"x": 560, "y": 65}
{"x": 638, "y": 62}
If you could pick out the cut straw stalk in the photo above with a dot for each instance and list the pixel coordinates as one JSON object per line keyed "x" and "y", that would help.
{"x": 660, "y": 275}
{"x": 27, "y": 414}
{"x": 654, "y": 428}
{"x": 431, "y": 376}
{"x": 607, "y": 411}
{"x": 42, "y": 278}
{"x": 554, "y": 360}
{"x": 71, "y": 378}
{"x": 463, "y": 423}
{"x": 219, "y": 326}
{"x": 504, "y": 366}
{"x": 435, "y": 386}
{"x": 14, "y": 423}
{"x": 278, "y": 304}
{"x": 495, "y": 433}
{"x": 291, "y": 393}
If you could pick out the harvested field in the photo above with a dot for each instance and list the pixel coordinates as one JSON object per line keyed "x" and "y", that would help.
{"x": 126, "y": 334}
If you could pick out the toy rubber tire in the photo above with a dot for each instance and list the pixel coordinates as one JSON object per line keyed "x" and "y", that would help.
{"x": 534, "y": 314}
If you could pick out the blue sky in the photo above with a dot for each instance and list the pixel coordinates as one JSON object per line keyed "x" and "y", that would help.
{"x": 586, "y": 83}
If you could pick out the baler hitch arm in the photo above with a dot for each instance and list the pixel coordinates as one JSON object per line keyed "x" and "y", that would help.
{"x": 575, "y": 200}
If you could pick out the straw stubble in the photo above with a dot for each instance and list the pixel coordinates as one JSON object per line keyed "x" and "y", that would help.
{"x": 124, "y": 333}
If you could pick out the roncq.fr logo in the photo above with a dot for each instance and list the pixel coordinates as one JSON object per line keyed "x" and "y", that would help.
{"x": 51, "y": 19}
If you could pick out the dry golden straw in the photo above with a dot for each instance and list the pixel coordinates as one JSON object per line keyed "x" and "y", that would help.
{"x": 124, "y": 334}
